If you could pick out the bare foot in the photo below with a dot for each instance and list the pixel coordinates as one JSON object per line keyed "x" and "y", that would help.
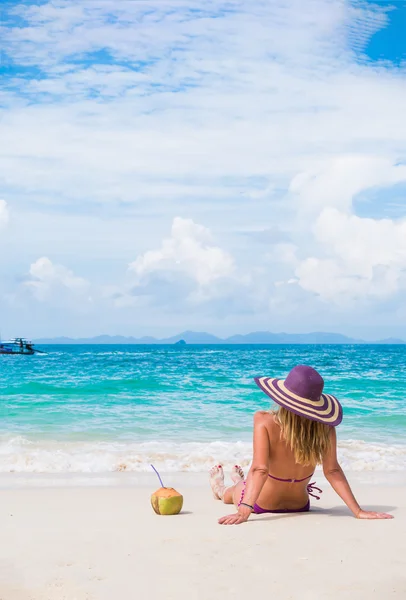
{"x": 217, "y": 482}
{"x": 237, "y": 474}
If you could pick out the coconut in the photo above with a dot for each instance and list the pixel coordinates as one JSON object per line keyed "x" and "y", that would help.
{"x": 167, "y": 501}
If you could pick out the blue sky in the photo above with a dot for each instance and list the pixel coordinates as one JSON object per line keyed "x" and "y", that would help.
{"x": 228, "y": 167}
{"x": 389, "y": 43}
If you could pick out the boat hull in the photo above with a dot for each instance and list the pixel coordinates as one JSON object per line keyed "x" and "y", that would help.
{"x": 7, "y": 352}
{"x": 17, "y": 346}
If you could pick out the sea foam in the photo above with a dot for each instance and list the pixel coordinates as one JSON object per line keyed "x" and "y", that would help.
{"x": 21, "y": 455}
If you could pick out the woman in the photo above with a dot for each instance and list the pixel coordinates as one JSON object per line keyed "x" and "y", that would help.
{"x": 288, "y": 444}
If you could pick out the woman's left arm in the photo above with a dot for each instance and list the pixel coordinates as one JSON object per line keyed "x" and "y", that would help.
{"x": 257, "y": 474}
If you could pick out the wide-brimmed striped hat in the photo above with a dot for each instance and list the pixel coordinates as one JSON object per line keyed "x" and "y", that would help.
{"x": 302, "y": 394}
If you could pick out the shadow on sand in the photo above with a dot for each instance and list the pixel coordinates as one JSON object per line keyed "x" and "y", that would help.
{"x": 343, "y": 511}
{"x": 335, "y": 511}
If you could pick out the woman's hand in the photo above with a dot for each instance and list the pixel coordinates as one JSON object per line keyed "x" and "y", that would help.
{"x": 241, "y": 516}
{"x": 371, "y": 514}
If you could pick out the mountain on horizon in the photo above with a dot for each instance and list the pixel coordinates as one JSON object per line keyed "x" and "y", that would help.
{"x": 194, "y": 337}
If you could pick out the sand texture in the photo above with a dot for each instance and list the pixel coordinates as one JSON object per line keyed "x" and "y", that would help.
{"x": 106, "y": 543}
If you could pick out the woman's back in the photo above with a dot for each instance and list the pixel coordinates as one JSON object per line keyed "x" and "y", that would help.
{"x": 278, "y": 494}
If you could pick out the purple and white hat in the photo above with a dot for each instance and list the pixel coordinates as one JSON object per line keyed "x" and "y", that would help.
{"x": 302, "y": 393}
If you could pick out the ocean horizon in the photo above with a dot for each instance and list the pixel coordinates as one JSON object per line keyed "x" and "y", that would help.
{"x": 96, "y": 409}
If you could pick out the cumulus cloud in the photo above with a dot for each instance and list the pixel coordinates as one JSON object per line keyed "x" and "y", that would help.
{"x": 352, "y": 258}
{"x": 48, "y": 281}
{"x": 368, "y": 258}
{"x": 331, "y": 253}
{"x": 187, "y": 250}
{"x": 187, "y": 267}
{"x": 4, "y": 213}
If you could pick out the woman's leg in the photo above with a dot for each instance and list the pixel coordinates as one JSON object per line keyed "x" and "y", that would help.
{"x": 232, "y": 495}
{"x": 229, "y": 495}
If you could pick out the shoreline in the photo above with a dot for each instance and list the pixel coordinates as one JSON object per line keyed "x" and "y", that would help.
{"x": 190, "y": 480}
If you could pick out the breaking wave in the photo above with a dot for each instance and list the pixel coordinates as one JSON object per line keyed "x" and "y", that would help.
{"x": 21, "y": 455}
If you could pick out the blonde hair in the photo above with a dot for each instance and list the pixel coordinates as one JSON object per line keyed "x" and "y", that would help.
{"x": 309, "y": 440}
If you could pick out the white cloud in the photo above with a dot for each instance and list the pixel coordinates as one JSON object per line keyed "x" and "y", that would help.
{"x": 48, "y": 281}
{"x": 4, "y": 213}
{"x": 336, "y": 181}
{"x": 182, "y": 98}
{"x": 255, "y": 117}
{"x": 357, "y": 258}
{"x": 368, "y": 258}
{"x": 187, "y": 252}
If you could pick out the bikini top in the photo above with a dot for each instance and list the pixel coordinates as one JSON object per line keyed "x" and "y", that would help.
{"x": 310, "y": 488}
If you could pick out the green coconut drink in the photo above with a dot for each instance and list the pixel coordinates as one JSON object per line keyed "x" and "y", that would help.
{"x": 166, "y": 500}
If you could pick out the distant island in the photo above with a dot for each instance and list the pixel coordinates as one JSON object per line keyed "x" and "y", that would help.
{"x": 194, "y": 337}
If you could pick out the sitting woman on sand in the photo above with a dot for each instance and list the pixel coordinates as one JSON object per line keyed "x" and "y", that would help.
{"x": 288, "y": 444}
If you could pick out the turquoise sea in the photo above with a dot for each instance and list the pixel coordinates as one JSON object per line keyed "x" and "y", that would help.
{"x": 114, "y": 408}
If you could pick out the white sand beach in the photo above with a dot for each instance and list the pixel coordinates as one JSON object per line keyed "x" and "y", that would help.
{"x": 64, "y": 541}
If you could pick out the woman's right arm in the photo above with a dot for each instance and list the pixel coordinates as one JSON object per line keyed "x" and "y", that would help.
{"x": 338, "y": 481}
